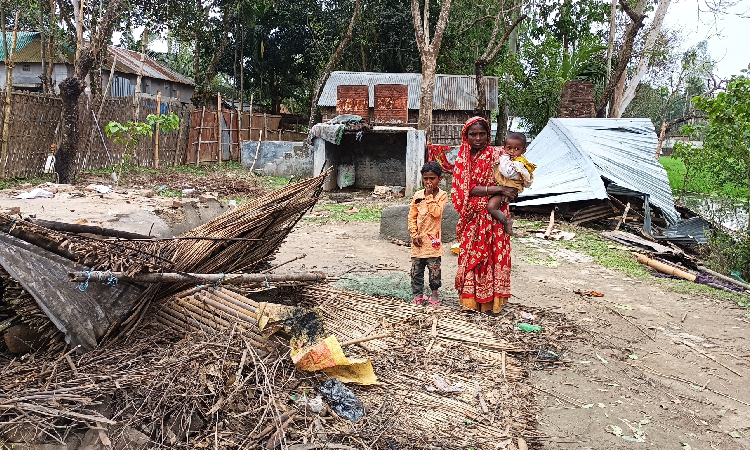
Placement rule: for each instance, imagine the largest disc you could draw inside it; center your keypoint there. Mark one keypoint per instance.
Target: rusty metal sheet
(84, 317)
(391, 103)
(353, 100)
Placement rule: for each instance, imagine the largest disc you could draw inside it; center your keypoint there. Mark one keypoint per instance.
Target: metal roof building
(452, 92)
(575, 156)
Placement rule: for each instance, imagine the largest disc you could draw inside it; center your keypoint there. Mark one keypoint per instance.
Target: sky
(727, 35)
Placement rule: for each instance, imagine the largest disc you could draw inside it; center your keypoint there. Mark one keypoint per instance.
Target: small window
(26, 68)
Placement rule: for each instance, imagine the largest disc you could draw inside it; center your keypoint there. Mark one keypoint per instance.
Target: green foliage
(130, 133)
(730, 253)
(725, 154)
(699, 181)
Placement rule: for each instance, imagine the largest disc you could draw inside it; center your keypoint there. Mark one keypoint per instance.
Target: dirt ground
(616, 378)
(650, 366)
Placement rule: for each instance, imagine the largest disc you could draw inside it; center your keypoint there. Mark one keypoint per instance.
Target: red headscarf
(462, 172)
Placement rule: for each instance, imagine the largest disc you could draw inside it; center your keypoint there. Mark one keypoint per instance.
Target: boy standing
(425, 220)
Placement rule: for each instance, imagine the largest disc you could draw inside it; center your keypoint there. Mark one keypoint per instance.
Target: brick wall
(577, 100)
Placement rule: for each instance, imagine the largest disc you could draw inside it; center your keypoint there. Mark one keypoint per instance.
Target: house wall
(31, 76)
(446, 125)
(277, 158)
(124, 85)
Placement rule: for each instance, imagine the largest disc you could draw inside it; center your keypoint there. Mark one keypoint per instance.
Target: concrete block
(394, 223)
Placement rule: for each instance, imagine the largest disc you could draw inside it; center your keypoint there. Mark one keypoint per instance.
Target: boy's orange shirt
(425, 220)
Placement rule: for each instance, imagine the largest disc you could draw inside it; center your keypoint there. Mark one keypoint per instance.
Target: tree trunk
(614, 110)
(8, 91)
(636, 18)
(643, 63)
(50, 49)
(70, 91)
(214, 64)
(481, 88)
(43, 48)
(426, 95)
(428, 51)
(72, 87)
(335, 56)
(137, 93)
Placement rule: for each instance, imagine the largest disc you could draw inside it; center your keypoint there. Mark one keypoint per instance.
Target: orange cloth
(425, 221)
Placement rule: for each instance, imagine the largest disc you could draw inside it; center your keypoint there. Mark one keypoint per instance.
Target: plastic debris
(188, 191)
(529, 327)
(312, 405)
(528, 316)
(100, 188)
(35, 193)
(341, 400)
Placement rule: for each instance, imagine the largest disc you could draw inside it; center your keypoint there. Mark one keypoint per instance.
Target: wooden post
(177, 152)
(200, 135)
(8, 89)
(158, 131)
(218, 122)
(232, 135)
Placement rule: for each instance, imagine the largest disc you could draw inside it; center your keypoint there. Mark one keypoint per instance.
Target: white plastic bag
(346, 176)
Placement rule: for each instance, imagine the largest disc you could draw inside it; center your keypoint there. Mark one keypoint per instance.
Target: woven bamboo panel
(33, 121)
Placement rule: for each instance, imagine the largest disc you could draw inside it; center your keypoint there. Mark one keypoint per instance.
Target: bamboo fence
(34, 134)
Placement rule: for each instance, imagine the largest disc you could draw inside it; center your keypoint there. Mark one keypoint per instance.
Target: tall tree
(428, 51)
(646, 56)
(636, 17)
(71, 88)
(335, 56)
(495, 44)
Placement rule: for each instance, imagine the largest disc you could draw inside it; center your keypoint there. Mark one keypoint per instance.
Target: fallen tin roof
(452, 92)
(573, 156)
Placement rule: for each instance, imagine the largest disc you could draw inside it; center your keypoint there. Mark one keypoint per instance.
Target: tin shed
(585, 159)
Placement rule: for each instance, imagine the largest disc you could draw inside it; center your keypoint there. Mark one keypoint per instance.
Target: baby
(512, 170)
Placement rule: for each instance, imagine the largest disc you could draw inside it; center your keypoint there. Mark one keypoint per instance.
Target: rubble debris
(240, 240)
(631, 240)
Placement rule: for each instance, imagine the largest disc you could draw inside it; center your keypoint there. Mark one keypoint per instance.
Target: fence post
(200, 135)
(218, 123)
(156, 139)
(6, 132)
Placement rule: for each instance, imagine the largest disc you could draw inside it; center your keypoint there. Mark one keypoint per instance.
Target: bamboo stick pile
(424, 343)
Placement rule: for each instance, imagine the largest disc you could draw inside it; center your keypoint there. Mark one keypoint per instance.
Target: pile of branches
(219, 390)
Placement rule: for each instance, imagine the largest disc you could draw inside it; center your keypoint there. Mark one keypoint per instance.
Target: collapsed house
(589, 169)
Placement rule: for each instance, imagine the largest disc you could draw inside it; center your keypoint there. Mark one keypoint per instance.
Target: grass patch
(12, 183)
(700, 182)
(605, 253)
(337, 213)
(273, 183)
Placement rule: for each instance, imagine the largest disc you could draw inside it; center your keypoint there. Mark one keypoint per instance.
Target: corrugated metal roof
(452, 92)
(129, 61)
(573, 155)
(691, 231)
(23, 39)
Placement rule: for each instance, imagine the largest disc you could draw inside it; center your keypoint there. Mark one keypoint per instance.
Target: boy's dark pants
(417, 274)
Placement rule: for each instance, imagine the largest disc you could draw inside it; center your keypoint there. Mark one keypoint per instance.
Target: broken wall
(278, 158)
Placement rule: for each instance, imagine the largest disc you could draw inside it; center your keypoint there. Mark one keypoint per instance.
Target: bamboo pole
(200, 135)
(229, 278)
(137, 93)
(8, 96)
(218, 123)
(158, 131)
(664, 268)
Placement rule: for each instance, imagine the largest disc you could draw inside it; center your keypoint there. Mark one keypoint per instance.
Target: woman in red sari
(483, 276)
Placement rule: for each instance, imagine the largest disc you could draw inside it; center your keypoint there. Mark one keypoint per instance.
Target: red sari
(483, 276)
